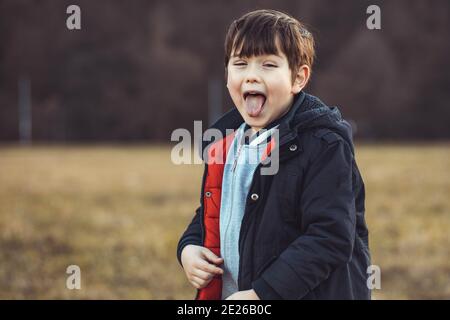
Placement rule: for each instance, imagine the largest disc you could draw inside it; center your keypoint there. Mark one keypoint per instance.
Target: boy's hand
(244, 295)
(200, 265)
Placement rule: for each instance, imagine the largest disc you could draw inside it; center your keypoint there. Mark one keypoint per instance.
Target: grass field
(118, 212)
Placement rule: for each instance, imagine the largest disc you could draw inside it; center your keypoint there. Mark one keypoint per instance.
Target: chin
(257, 124)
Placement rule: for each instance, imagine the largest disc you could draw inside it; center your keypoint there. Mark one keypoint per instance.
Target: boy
(299, 233)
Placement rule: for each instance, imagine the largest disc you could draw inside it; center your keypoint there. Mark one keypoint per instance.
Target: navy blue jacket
(304, 236)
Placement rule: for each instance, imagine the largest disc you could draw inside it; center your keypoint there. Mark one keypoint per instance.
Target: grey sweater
(241, 163)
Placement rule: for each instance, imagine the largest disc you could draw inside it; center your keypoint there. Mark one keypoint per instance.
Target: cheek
(233, 84)
(280, 88)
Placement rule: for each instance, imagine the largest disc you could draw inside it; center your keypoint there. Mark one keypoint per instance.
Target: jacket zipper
(236, 159)
(202, 217)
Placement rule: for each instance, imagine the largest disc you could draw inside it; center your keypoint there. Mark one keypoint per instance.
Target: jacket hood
(309, 112)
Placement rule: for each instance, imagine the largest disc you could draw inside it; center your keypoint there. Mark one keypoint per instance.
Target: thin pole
(24, 111)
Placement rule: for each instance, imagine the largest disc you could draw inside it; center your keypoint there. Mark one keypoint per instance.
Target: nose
(252, 75)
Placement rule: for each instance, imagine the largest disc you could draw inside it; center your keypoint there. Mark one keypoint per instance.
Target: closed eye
(239, 64)
(270, 65)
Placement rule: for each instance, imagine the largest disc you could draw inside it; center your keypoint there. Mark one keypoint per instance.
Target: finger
(202, 274)
(195, 282)
(211, 257)
(201, 283)
(205, 266)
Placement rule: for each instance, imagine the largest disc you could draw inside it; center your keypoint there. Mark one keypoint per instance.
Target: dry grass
(118, 212)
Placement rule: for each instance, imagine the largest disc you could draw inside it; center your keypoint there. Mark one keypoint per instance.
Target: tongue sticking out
(254, 104)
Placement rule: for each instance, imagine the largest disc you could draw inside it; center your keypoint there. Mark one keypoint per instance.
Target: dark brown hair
(258, 32)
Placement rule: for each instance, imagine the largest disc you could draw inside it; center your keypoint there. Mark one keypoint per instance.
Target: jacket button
(208, 194)
(254, 196)
(293, 147)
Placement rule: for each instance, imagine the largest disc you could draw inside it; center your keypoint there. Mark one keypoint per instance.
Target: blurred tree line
(139, 69)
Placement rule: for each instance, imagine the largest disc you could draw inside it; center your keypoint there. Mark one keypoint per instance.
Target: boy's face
(261, 87)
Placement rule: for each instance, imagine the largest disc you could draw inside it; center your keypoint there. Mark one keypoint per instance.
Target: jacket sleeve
(192, 235)
(328, 227)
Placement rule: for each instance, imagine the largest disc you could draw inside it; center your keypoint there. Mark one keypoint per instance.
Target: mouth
(254, 101)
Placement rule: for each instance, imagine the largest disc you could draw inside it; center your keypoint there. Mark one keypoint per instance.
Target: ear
(301, 79)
